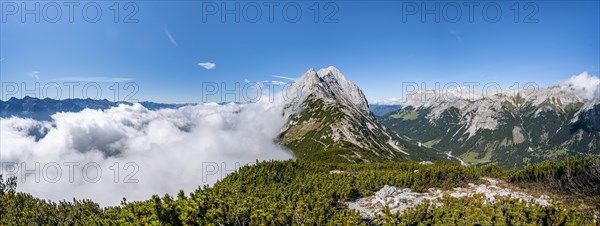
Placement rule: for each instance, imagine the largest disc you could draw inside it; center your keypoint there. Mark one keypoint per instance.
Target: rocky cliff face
(329, 119)
(590, 117)
(511, 129)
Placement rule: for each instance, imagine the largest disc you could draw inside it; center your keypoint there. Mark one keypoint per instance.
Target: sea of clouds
(133, 152)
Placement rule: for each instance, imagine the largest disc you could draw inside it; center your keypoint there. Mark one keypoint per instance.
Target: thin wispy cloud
(207, 65)
(95, 79)
(265, 83)
(2, 59)
(283, 77)
(171, 39)
(456, 35)
(34, 74)
(278, 83)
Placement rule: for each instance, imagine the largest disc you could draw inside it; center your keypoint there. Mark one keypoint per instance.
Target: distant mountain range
(511, 130)
(42, 109)
(382, 109)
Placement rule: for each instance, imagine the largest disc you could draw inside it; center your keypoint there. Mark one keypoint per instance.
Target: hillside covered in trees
(298, 192)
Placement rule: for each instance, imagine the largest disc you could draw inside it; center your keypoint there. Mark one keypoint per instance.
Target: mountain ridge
(330, 118)
(511, 130)
(43, 109)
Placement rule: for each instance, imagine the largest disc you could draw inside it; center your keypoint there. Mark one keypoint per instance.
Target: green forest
(300, 192)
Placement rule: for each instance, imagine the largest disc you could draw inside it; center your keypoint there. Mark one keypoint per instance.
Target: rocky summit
(329, 119)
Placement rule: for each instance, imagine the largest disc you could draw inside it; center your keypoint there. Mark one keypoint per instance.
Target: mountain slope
(329, 119)
(510, 130)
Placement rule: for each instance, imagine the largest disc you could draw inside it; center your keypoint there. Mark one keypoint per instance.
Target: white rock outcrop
(398, 200)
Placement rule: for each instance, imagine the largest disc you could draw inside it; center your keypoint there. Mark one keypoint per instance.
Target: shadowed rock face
(591, 118)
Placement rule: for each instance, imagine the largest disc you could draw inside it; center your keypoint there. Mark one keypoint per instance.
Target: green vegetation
(310, 137)
(430, 143)
(521, 136)
(297, 192)
(475, 159)
(474, 211)
(406, 115)
(575, 175)
(550, 154)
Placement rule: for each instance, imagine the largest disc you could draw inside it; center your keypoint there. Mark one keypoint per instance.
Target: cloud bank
(137, 151)
(583, 85)
(390, 101)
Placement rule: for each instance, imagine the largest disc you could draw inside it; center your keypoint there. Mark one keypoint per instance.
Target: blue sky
(377, 44)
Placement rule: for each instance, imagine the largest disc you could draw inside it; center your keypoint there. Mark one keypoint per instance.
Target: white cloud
(284, 77)
(34, 74)
(390, 101)
(583, 85)
(207, 65)
(278, 83)
(171, 39)
(173, 148)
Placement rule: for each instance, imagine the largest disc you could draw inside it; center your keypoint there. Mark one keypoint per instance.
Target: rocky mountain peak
(331, 86)
(329, 119)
